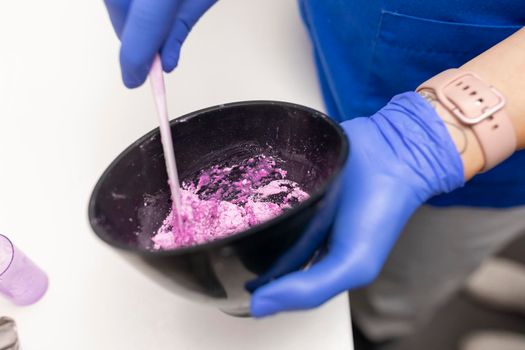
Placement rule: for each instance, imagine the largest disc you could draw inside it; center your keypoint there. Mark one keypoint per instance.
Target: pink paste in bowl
(227, 200)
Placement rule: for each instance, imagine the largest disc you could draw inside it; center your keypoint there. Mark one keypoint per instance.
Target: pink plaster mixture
(227, 200)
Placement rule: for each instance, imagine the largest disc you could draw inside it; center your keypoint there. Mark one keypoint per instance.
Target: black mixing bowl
(131, 199)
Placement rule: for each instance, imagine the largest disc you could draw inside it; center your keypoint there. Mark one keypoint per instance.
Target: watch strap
(480, 106)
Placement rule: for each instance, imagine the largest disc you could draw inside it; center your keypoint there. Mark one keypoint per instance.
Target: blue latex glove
(399, 158)
(146, 27)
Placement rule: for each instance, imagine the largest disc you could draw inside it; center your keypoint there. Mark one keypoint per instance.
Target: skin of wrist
(462, 135)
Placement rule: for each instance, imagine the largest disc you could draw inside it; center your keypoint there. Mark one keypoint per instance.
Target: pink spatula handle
(159, 92)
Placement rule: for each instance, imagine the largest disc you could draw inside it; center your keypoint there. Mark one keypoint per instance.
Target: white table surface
(64, 115)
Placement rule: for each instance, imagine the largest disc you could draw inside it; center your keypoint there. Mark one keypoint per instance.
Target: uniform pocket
(408, 50)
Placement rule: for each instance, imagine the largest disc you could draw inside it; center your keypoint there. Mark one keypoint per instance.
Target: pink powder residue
(227, 200)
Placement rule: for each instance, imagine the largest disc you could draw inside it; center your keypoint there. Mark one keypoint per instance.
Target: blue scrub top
(367, 51)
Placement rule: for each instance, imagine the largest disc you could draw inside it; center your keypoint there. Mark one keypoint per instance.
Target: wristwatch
(479, 106)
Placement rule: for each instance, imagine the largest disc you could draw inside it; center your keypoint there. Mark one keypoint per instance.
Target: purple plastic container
(21, 281)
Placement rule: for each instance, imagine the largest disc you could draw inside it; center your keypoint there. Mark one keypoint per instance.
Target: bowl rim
(314, 197)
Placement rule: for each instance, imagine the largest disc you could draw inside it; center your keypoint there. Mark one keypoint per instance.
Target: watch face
(429, 96)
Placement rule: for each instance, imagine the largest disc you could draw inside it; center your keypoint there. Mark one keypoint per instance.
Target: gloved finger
(188, 14)
(308, 248)
(118, 11)
(326, 278)
(147, 26)
(171, 51)
(310, 288)
(364, 233)
(351, 262)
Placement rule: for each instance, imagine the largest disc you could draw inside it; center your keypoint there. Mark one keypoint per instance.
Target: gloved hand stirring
(147, 27)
